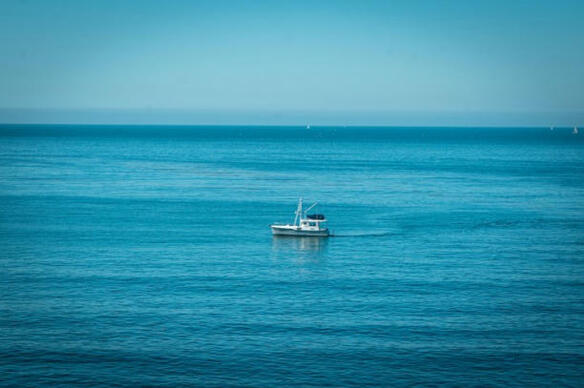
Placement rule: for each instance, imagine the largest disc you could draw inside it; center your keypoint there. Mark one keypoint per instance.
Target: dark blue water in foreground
(142, 256)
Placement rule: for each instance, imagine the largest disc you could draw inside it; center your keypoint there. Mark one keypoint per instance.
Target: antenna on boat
(313, 205)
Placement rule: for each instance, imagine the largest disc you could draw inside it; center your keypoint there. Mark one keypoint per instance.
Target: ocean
(142, 256)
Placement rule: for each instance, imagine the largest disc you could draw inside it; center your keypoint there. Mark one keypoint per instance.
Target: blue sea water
(142, 256)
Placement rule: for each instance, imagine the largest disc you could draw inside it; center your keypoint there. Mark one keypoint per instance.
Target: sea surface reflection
(310, 244)
(301, 249)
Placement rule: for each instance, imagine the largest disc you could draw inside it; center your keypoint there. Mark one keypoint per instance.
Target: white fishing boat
(305, 225)
(575, 131)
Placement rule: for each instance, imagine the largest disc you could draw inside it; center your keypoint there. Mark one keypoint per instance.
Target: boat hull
(284, 231)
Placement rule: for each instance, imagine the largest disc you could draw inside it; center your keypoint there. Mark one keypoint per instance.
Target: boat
(575, 131)
(305, 225)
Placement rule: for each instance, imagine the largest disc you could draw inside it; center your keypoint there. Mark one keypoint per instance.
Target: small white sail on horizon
(575, 131)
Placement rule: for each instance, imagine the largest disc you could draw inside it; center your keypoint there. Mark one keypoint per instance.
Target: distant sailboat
(308, 127)
(551, 128)
(575, 131)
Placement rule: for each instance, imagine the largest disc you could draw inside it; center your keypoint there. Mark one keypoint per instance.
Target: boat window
(312, 223)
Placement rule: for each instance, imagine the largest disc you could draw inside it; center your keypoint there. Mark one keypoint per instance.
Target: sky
(293, 62)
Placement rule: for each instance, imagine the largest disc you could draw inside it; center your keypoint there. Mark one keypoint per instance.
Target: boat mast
(298, 211)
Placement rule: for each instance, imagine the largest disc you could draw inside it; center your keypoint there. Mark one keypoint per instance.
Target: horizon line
(303, 126)
(336, 118)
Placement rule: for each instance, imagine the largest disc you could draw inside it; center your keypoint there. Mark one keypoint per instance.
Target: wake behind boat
(305, 225)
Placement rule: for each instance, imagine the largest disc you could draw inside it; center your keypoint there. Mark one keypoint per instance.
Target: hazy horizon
(283, 118)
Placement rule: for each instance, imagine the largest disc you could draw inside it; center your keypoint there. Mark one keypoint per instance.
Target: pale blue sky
(294, 61)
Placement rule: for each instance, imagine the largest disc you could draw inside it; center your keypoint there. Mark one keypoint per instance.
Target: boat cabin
(312, 222)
